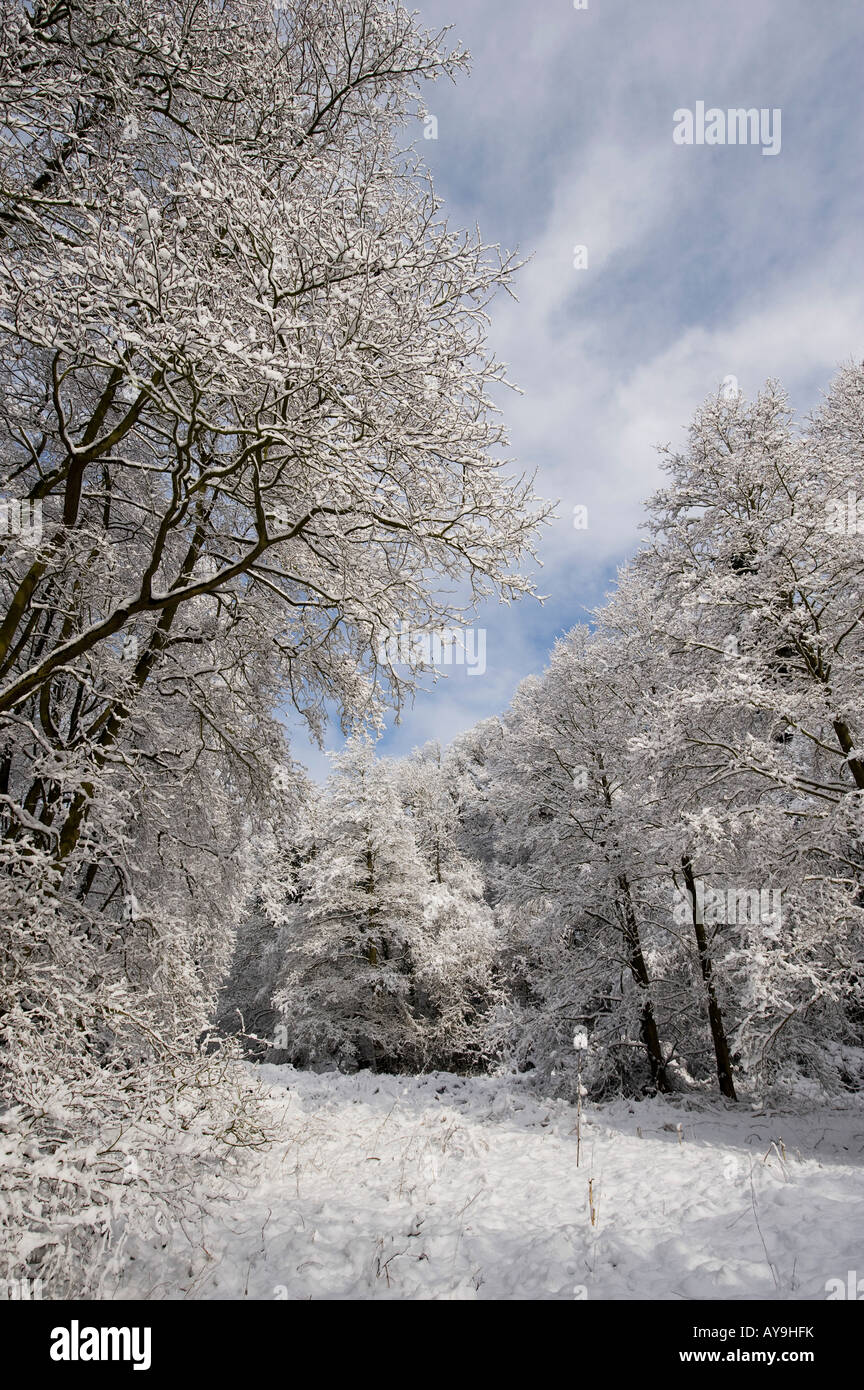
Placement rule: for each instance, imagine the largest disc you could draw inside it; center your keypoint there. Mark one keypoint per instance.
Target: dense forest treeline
(667, 823)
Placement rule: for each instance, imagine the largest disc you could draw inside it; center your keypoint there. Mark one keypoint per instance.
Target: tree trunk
(715, 1017)
(639, 971)
(847, 743)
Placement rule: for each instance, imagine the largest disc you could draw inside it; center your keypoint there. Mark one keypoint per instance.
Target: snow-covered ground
(445, 1187)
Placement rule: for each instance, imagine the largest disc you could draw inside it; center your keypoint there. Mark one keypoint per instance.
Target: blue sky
(703, 261)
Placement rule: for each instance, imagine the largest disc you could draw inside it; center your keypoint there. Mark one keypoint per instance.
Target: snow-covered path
(453, 1188)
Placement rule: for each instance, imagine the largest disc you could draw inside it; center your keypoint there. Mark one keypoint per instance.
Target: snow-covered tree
(345, 992)
(389, 952)
(755, 602)
(678, 800)
(244, 406)
(578, 888)
(457, 973)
